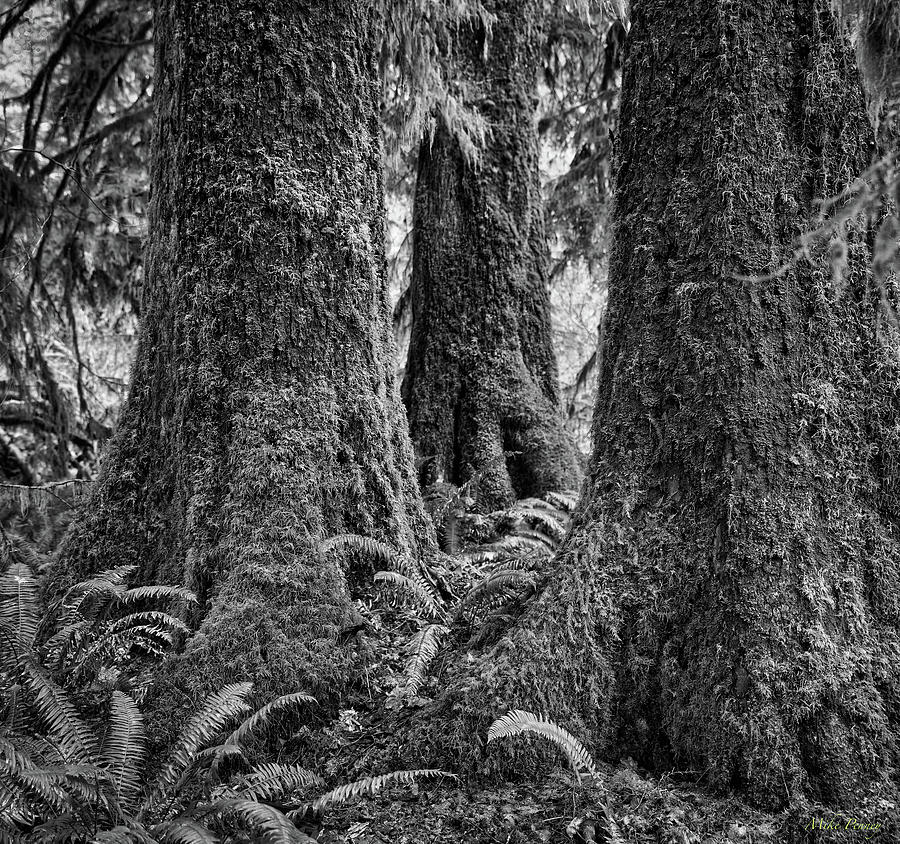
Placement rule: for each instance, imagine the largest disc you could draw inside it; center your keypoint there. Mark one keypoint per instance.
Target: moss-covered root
(512, 440)
(637, 650)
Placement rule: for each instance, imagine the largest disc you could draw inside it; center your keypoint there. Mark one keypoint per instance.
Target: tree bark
(481, 379)
(727, 601)
(263, 414)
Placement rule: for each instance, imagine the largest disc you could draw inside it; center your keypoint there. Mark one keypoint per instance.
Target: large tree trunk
(481, 379)
(263, 414)
(728, 600)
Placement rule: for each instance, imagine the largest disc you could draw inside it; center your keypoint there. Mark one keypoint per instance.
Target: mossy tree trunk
(263, 414)
(729, 598)
(481, 378)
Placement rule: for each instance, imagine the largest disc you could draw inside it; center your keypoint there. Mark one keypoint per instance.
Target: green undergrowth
(338, 776)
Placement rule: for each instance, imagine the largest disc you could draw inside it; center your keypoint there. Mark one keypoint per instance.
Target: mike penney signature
(839, 823)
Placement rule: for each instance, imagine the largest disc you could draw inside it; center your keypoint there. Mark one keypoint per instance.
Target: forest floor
(623, 804)
(554, 808)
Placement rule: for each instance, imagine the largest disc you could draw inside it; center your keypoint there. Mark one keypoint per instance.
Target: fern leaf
(132, 834)
(18, 612)
(184, 831)
(219, 708)
(157, 593)
(124, 748)
(153, 619)
(517, 544)
(261, 716)
(13, 757)
(368, 785)
(90, 597)
(233, 744)
(75, 740)
(497, 584)
(566, 501)
(109, 646)
(47, 785)
(484, 554)
(274, 827)
(423, 648)
(543, 542)
(450, 533)
(415, 590)
(366, 546)
(272, 778)
(519, 721)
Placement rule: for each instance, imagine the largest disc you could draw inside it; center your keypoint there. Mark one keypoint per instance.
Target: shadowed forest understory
(429, 421)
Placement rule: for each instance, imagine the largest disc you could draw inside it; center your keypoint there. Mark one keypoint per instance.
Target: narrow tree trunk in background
(481, 377)
(729, 598)
(263, 414)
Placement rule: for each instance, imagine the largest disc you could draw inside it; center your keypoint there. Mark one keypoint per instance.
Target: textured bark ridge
(729, 598)
(481, 379)
(263, 414)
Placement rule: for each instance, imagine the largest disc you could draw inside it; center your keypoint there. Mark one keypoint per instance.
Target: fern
(424, 648)
(232, 746)
(497, 584)
(366, 546)
(275, 827)
(519, 721)
(415, 589)
(157, 593)
(18, 613)
(261, 716)
(148, 618)
(368, 785)
(272, 778)
(52, 705)
(220, 707)
(184, 831)
(98, 590)
(423, 577)
(19, 775)
(541, 513)
(565, 501)
(124, 750)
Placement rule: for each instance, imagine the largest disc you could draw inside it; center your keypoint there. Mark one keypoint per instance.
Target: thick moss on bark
(481, 378)
(263, 414)
(727, 601)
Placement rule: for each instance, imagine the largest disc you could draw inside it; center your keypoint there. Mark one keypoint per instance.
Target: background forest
(497, 405)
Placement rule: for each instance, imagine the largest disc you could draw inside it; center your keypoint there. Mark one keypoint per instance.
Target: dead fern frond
(519, 721)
